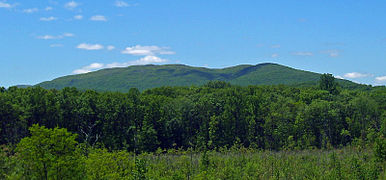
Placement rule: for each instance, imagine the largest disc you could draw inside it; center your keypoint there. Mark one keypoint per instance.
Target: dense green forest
(211, 116)
(206, 129)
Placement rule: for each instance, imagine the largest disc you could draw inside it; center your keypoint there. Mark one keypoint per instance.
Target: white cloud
(354, 75)
(48, 8)
(274, 55)
(381, 79)
(302, 53)
(139, 50)
(121, 4)
(110, 47)
(78, 17)
(71, 5)
(148, 51)
(275, 46)
(48, 18)
(89, 68)
(148, 60)
(81, 71)
(339, 77)
(47, 37)
(90, 46)
(5, 5)
(97, 66)
(141, 61)
(32, 10)
(98, 18)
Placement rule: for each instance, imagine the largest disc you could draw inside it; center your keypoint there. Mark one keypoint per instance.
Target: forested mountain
(151, 76)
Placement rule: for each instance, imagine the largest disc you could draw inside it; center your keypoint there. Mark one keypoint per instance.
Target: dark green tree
(327, 82)
(218, 84)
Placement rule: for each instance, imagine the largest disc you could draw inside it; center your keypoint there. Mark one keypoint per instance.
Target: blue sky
(45, 39)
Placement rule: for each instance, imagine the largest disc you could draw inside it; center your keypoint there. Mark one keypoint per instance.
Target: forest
(217, 130)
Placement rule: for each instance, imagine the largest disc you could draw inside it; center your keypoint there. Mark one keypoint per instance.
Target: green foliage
(327, 82)
(218, 84)
(335, 166)
(215, 131)
(380, 149)
(250, 164)
(211, 116)
(4, 162)
(140, 169)
(205, 161)
(233, 163)
(101, 164)
(49, 154)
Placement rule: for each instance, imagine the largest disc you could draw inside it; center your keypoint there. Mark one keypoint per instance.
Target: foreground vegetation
(215, 131)
(54, 154)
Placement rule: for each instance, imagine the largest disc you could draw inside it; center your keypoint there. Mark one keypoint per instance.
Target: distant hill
(23, 86)
(151, 76)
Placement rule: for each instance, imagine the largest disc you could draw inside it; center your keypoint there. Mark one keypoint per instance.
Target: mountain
(23, 86)
(151, 76)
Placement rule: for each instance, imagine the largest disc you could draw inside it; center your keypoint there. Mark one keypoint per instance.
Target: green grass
(347, 163)
(151, 76)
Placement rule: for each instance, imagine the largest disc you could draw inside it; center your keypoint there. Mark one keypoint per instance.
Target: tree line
(211, 116)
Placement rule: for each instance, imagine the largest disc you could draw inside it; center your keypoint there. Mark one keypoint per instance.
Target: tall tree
(50, 154)
(327, 82)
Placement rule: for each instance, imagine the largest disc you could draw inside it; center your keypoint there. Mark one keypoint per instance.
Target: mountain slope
(150, 76)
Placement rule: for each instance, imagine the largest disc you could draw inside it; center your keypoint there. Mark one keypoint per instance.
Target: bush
(380, 149)
(50, 154)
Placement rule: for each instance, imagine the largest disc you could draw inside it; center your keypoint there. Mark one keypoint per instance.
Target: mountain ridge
(151, 76)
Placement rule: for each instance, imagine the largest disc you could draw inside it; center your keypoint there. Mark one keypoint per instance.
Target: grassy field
(347, 163)
(352, 162)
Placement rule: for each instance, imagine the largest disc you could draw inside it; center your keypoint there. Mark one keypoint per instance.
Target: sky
(46, 39)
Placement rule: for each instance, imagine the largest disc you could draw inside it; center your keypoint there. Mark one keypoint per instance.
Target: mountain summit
(151, 76)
